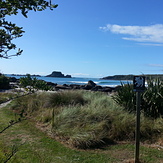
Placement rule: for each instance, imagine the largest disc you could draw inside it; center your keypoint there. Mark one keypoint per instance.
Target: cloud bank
(152, 33)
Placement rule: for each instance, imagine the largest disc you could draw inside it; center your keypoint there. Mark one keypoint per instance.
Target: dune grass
(26, 144)
(6, 96)
(84, 119)
(32, 145)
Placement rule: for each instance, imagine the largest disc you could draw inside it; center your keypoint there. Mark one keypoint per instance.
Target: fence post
(139, 86)
(137, 136)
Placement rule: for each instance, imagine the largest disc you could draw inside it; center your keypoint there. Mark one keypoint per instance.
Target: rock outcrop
(89, 86)
(58, 74)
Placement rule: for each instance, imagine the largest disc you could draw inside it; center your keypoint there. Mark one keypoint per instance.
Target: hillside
(130, 77)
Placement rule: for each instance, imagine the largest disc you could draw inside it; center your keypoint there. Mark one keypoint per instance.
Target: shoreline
(89, 85)
(78, 81)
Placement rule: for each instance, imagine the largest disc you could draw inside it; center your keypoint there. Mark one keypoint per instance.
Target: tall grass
(5, 97)
(86, 119)
(66, 98)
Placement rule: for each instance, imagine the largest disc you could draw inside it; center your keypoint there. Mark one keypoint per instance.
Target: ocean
(79, 81)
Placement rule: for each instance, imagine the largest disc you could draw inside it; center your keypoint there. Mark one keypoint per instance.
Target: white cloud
(151, 44)
(79, 74)
(152, 33)
(156, 65)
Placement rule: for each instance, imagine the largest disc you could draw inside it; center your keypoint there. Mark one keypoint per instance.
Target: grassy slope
(35, 146)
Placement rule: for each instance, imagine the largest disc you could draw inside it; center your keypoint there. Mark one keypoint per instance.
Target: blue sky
(93, 38)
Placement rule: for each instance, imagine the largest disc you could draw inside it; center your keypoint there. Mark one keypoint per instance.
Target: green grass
(5, 96)
(35, 146)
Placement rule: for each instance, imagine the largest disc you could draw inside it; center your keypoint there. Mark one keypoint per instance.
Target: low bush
(33, 84)
(4, 82)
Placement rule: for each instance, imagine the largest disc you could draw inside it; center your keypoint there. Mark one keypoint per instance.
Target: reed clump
(85, 119)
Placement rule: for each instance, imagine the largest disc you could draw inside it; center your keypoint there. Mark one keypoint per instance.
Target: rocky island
(58, 74)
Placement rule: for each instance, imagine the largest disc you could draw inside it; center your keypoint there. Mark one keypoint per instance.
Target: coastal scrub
(85, 119)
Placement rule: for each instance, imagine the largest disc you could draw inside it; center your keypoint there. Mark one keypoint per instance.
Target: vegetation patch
(151, 99)
(4, 82)
(85, 119)
(91, 125)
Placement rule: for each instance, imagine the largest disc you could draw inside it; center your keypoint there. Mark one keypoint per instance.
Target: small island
(58, 74)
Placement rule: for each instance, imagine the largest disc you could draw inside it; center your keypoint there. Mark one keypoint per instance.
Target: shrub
(151, 99)
(152, 103)
(126, 97)
(4, 82)
(33, 84)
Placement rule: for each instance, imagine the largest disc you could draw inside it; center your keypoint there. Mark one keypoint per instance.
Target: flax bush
(152, 103)
(126, 97)
(151, 99)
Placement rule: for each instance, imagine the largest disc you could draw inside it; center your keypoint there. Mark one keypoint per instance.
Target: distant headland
(58, 74)
(130, 77)
(25, 75)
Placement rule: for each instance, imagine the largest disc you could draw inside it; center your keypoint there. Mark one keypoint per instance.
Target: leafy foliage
(152, 103)
(4, 82)
(126, 97)
(33, 84)
(151, 100)
(9, 30)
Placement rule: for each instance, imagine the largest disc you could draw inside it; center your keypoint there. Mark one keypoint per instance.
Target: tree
(8, 30)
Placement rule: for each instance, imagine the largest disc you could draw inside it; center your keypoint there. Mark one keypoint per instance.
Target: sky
(93, 38)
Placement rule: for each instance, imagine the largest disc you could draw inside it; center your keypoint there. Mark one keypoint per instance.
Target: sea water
(79, 81)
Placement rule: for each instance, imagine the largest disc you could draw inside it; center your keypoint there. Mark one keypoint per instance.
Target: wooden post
(137, 137)
(139, 86)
